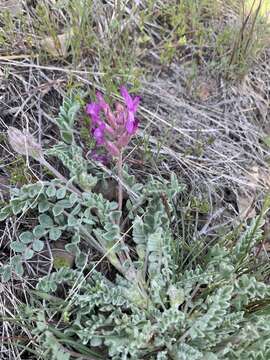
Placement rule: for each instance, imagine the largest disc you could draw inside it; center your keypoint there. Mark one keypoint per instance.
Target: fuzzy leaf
(26, 237)
(17, 206)
(5, 212)
(73, 248)
(38, 245)
(55, 233)
(6, 273)
(57, 210)
(17, 264)
(51, 191)
(43, 206)
(17, 246)
(72, 221)
(28, 254)
(39, 231)
(61, 193)
(45, 220)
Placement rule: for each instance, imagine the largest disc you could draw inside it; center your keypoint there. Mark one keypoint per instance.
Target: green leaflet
(66, 117)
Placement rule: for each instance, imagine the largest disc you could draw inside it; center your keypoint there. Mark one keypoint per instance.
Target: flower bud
(112, 149)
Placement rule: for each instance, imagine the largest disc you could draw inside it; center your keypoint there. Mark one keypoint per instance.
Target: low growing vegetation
(134, 180)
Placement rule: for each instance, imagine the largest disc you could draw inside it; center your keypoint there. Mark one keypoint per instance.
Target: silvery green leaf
(112, 235)
(38, 245)
(73, 198)
(65, 203)
(45, 220)
(17, 246)
(76, 238)
(60, 220)
(33, 203)
(66, 136)
(66, 117)
(76, 210)
(39, 231)
(55, 233)
(57, 210)
(141, 251)
(176, 295)
(81, 259)
(43, 206)
(154, 242)
(88, 221)
(6, 273)
(26, 237)
(61, 193)
(16, 263)
(28, 254)
(115, 216)
(139, 236)
(35, 189)
(17, 206)
(72, 221)
(46, 285)
(73, 248)
(96, 341)
(5, 212)
(51, 191)
(129, 205)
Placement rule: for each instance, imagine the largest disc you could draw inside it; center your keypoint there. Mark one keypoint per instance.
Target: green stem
(120, 181)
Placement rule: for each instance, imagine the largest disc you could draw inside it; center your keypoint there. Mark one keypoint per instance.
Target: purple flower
(102, 103)
(132, 105)
(98, 134)
(113, 130)
(93, 110)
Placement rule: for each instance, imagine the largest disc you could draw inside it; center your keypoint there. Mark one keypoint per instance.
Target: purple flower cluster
(113, 130)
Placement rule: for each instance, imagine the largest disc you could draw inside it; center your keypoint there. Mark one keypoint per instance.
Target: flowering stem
(120, 181)
(123, 256)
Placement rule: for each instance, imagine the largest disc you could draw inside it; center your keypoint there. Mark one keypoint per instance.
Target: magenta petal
(102, 102)
(135, 126)
(130, 126)
(93, 109)
(126, 96)
(130, 122)
(131, 116)
(100, 96)
(132, 104)
(136, 102)
(98, 134)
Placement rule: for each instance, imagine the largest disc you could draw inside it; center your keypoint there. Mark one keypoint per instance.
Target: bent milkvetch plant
(113, 130)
